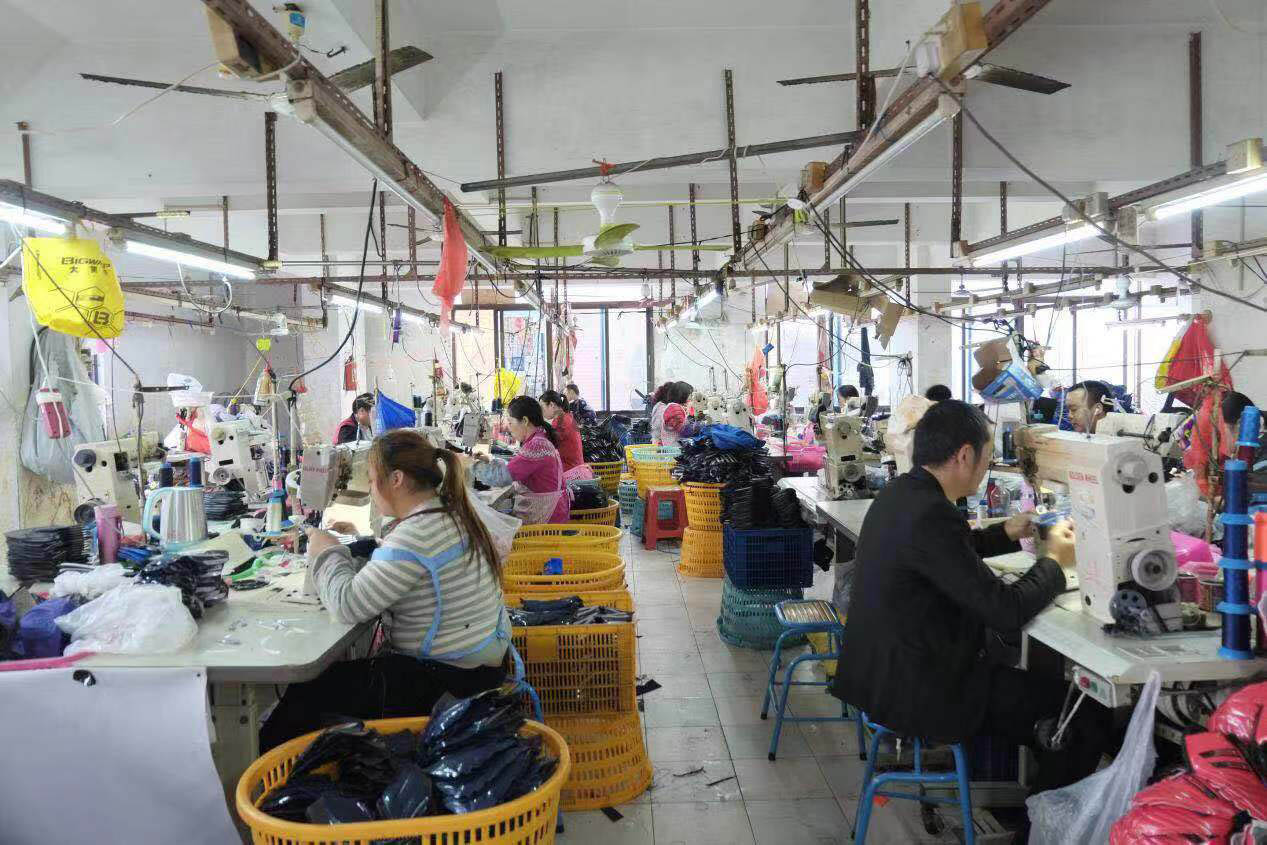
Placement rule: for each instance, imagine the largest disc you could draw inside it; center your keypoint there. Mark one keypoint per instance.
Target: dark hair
(527, 408)
(847, 391)
(937, 393)
(408, 451)
(362, 403)
(1097, 392)
(1233, 405)
(682, 391)
(945, 429)
(662, 393)
(555, 398)
(572, 387)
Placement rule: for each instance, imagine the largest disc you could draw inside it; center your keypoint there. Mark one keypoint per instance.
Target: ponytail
(409, 452)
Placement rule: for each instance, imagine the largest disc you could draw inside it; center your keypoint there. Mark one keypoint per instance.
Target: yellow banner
(72, 287)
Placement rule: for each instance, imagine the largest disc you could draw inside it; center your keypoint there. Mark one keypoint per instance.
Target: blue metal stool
(872, 784)
(798, 618)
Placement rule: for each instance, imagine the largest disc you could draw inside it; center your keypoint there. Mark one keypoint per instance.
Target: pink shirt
(537, 466)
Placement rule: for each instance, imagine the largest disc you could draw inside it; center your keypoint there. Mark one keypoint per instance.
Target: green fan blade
(565, 251)
(609, 261)
(700, 247)
(614, 234)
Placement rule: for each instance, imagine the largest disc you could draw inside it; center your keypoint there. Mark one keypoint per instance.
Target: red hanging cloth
(451, 276)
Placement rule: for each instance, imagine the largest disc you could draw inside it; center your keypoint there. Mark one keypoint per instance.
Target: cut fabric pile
(601, 442)
(224, 504)
(568, 611)
(36, 553)
(588, 494)
(720, 454)
(470, 757)
(757, 503)
(1223, 789)
(198, 576)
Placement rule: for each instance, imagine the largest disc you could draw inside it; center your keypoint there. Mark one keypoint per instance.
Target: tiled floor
(707, 716)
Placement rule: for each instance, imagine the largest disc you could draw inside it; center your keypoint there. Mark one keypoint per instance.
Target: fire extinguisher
(349, 374)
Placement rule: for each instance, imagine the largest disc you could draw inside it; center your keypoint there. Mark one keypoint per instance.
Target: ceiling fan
(983, 72)
(612, 242)
(349, 80)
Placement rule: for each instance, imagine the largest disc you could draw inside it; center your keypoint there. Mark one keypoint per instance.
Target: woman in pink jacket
(536, 470)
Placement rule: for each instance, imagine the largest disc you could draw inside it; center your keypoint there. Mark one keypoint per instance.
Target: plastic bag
(501, 526)
(56, 270)
(899, 440)
(389, 414)
(57, 364)
(39, 634)
(1240, 714)
(1085, 811)
(131, 619)
(89, 584)
(1184, 507)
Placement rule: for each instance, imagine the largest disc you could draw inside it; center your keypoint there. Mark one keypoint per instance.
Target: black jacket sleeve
(993, 541)
(947, 557)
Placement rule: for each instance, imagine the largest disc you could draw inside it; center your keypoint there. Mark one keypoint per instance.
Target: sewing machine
(239, 450)
(106, 473)
(1126, 561)
(1159, 432)
(336, 475)
(844, 473)
(716, 409)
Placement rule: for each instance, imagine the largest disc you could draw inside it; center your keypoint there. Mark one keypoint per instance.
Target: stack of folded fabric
(567, 611)
(198, 575)
(36, 554)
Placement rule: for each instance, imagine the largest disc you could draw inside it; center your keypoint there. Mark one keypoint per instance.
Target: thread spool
(1235, 607)
(195, 472)
(273, 515)
(166, 475)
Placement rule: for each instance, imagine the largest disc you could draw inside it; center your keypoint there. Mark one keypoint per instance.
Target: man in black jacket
(924, 602)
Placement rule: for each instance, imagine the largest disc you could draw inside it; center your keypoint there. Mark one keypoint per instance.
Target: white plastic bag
(130, 619)
(89, 584)
(899, 440)
(1184, 507)
(501, 526)
(1085, 811)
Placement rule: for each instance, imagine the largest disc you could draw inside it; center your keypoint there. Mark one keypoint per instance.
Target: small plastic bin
(523, 573)
(701, 554)
(769, 558)
(608, 474)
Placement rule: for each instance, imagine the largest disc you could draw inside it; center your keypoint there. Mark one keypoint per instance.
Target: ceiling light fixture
(1244, 186)
(1066, 236)
(189, 259)
(351, 302)
(32, 220)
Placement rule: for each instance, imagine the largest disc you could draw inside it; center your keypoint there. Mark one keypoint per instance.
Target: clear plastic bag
(1085, 811)
(89, 584)
(1184, 506)
(131, 619)
(501, 527)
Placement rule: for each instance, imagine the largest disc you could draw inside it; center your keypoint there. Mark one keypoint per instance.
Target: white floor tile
(584, 828)
(677, 685)
(678, 783)
(675, 745)
(783, 780)
(737, 684)
(844, 775)
(819, 702)
(681, 661)
(753, 741)
(680, 713)
(653, 638)
(745, 710)
(830, 739)
(702, 824)
(662, 612)
(812, 821)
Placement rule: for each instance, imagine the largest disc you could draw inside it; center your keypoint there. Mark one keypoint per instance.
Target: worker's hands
(319, 541)
(343, 528)
(1020, 526)
(480, 457)
(1060, 544)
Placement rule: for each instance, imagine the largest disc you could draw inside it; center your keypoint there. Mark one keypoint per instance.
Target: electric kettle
(183, 519)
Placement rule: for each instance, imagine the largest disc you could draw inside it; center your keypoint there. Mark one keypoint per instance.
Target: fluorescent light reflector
(190, 259)
(31, 219)
(350, 302)
(1068, 236)
(1213, 196)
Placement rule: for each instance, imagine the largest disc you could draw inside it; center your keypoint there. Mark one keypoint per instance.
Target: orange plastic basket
(596, 516)
(566, 538)
(609, 759)
(703, 505)
(608, 474)
(583, 571)
(702, 554)
(528, 820)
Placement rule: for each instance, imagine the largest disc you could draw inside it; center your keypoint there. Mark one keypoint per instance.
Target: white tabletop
(1184, 656)
(810, 493)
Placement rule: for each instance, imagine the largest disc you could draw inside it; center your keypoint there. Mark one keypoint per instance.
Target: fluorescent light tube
(190, 259)
(919, 131)
(414, 318)
(707, 298)
(350, 302)
(1211, 196)
(1067, 236)
(31, 219)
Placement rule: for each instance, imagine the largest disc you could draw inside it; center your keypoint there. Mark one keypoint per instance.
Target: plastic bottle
(983, 512)
(994, 499)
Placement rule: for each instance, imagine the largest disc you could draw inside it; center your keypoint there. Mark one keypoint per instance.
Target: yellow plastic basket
(583, 571)
(566, 538)
(528, 820)
(629, 453)
(596, 516)
(702, 554)
(608, 474)
(703, 505)
(609, 759)
(651, 466)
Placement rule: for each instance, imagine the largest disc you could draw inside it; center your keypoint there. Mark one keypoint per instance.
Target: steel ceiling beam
(732, 162)
(1195, 132)
(865, 100)
(270, 180)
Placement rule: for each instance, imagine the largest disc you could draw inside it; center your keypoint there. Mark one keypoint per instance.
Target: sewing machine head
(1158, 432)
(106, 472)
(844, 474)
(1117, 502)
(239, 450)
(335, 474)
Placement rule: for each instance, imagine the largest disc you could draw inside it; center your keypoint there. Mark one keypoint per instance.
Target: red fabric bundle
(1221, 767)
(1158, 824)
(451, 276)
(1241, 715)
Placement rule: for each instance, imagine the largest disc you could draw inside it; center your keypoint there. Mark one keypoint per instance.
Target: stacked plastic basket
(631, 511)
(702, 540)
(763, 567)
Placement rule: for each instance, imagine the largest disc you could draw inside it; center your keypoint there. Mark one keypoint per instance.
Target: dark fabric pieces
(921, 603)
(385, 687)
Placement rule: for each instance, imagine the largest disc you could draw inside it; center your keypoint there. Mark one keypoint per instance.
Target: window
(587, 358)
(626, 358)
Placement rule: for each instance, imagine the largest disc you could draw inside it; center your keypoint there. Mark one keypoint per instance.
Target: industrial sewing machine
(107, 474)
(336, 475)
(716, 409)
(1159, 432)
(466, 416)
(240, 451)
(1126, 561)
(844, 473)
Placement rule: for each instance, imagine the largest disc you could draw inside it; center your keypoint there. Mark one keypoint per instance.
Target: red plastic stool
(654, 528)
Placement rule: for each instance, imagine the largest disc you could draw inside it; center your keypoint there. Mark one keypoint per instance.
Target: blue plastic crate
(769, 558)
(747, 617)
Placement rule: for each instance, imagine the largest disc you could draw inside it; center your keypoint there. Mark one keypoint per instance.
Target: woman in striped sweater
(434, 581)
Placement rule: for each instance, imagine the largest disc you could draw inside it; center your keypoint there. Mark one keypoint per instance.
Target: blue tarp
(727, 437)
(389, 414)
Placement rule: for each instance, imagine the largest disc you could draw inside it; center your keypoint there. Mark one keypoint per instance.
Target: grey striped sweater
(399, 583)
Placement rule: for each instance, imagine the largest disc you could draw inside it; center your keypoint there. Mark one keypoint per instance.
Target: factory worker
(843, 394)
(536, 470)
(923, 604)
(435, 581)
(1087, 403)
(578, 407)
(554, 407)
(356, 427)
(669, 393)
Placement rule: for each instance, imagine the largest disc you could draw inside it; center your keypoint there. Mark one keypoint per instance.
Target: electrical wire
(131, 111)
(1082, 215)
(360, 283)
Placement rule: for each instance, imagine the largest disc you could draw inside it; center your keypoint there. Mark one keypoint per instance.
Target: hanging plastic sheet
(72, 287)
(451, 276)
(389, 414)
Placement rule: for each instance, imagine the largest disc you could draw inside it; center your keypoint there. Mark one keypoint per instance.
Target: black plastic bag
(291, 800)
(334, 808)
(409, 796)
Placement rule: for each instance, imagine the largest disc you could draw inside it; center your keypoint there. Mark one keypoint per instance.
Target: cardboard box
(813, 175)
